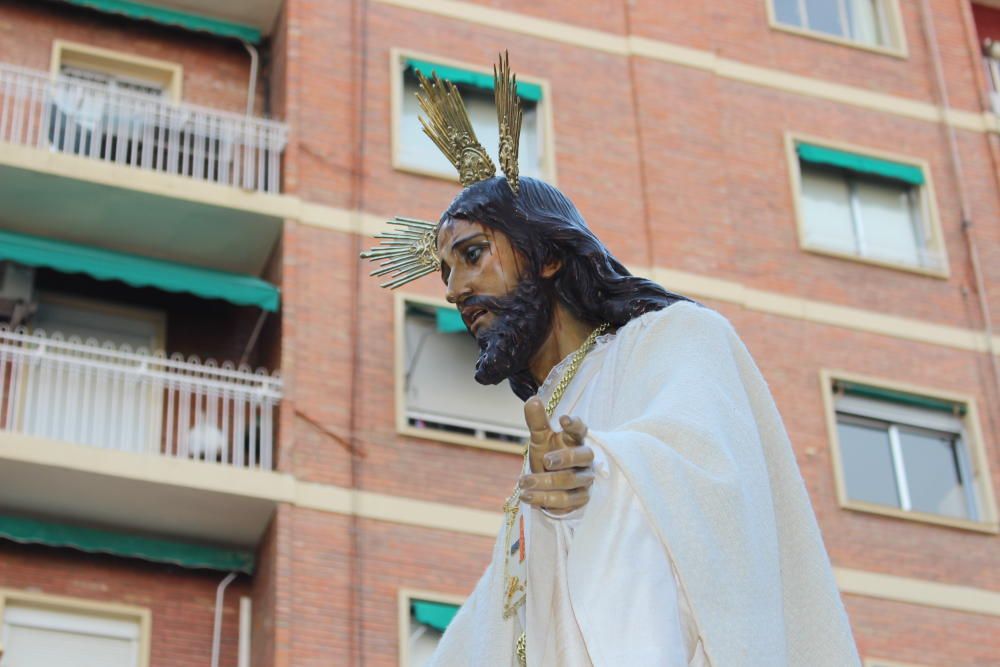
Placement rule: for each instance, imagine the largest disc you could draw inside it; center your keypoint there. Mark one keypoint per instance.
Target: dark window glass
(867, 461)
(932, 472)
(824, 16)
(787, 12)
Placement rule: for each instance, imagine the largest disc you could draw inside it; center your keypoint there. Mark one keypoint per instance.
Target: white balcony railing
(114, 398)
(141, 131)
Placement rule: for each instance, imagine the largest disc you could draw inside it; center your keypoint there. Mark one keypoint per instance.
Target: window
(423, 618)
(40, 630)
(440, 397)
(908, 454)
(878, 210)
(870, 23)
(115, 70)
(414, 151)
(74, 389)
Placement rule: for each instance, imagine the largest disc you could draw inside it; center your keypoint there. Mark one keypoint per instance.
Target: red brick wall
(714, 176)
(720, 202)
(182, 601)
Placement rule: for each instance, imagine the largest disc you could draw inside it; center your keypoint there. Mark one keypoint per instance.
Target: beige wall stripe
(698, 59)
(918, 591)
(291, 207)
(283, 488)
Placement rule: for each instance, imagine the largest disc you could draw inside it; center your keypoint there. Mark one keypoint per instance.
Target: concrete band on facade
(631, 45)
(284, 488)
(291, 207)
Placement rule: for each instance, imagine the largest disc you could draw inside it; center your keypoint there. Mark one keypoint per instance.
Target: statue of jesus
(660, 517)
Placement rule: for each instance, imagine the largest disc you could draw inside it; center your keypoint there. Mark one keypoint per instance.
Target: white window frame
(111, 613)
(405, 597)
(397, 68)
(972, 455)
(889, 14)
(118, 65)
(923, 202)
(403, 415)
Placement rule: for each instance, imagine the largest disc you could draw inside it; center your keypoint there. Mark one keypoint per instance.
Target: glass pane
(863, 19)
(787, 12)
(824, 16)
(887, 222)
(932, 473)
(867, 462)
(826, 210)
(418, 151)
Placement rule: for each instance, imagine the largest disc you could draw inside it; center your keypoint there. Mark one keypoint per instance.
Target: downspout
(246, 617)
(220, 593)
(966, 212)
(252, 84)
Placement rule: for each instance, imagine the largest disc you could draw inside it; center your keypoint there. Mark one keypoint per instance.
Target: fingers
(537, 420)
(574, 431)
(557, 500)
(562, 480)
(579, 456)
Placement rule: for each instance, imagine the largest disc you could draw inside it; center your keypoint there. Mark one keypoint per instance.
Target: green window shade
(138, 271)
(907, 173)
(435, 614)
(530, 92)
(92, 540)
(893, 396)
(173, 17)
(449, 320)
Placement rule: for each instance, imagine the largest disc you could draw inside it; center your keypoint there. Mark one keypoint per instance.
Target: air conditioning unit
(17, 293)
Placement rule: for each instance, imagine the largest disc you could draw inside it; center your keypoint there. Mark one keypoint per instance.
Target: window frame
(890, 11)
(397, 66)
(925, 204)
(405, 596)
(119, 64)
(971, 437)
(403, 427)
(142, 616)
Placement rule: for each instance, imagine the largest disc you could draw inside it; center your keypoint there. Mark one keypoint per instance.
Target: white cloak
(677, 407)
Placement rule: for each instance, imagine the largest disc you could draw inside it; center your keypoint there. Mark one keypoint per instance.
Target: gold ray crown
(410, 251)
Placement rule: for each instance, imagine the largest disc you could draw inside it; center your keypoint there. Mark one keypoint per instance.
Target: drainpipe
(220, 593)
(252, 85)
(243, 653)
(956, 165)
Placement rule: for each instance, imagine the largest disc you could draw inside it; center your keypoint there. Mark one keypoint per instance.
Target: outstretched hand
(561, 465)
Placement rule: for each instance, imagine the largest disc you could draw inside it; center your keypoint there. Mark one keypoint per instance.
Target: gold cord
(512, 506)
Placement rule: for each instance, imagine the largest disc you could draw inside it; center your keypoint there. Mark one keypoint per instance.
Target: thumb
(541, 433)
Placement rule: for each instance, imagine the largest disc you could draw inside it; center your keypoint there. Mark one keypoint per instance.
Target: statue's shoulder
(679, 318)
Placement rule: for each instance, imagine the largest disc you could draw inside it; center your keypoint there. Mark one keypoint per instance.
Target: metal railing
(137, 130)
(114, 398)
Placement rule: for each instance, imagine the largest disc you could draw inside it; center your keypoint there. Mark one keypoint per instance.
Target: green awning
(138, 271)
(531, 92)
(435, 614)
(173, 17)
(903, 398)
(449, 320)
(93, 540)
(897, 171)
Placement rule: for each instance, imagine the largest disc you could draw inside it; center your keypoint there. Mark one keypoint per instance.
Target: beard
(521, 321)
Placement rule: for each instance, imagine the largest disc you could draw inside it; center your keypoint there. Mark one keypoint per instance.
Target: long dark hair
(543, 225)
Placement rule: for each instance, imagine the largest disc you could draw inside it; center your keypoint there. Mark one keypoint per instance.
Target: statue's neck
(564, 337)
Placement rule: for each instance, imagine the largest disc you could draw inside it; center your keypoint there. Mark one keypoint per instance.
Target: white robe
(698, 543)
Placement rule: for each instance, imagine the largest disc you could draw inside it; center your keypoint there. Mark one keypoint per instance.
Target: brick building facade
(830, 182)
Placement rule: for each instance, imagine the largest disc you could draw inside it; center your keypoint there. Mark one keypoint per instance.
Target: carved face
(506, 309)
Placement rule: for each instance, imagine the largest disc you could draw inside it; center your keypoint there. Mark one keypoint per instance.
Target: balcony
(145, 132)
(136, 402)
